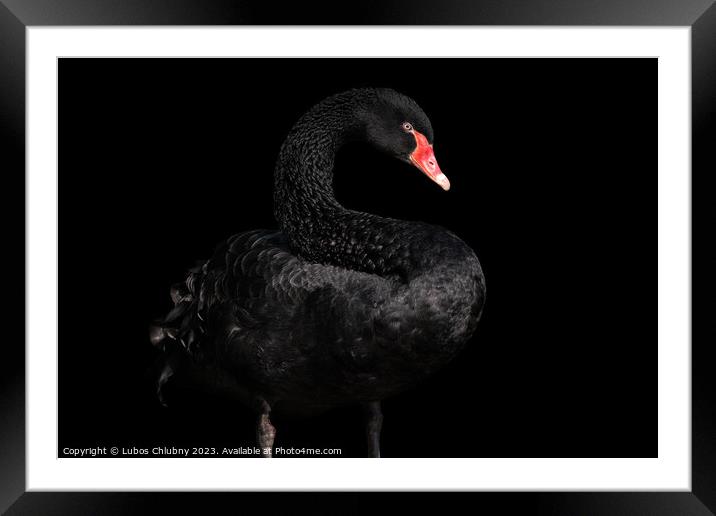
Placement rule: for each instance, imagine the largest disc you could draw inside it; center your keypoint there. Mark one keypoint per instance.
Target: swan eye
(407, 127)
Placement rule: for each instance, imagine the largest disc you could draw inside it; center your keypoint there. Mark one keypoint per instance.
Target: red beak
(423, 157)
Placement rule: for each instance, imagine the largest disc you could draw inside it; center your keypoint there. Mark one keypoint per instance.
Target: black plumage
(337, 306)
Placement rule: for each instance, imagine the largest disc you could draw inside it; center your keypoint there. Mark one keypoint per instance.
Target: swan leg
(265, 431)
(374, 423)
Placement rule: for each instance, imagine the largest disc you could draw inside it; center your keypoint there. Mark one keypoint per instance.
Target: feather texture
(336, 307)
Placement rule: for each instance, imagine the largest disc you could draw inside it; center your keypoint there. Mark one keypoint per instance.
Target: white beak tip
(443, 181)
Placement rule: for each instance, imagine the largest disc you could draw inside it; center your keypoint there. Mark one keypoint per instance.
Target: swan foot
(265, 431)
(374, 423)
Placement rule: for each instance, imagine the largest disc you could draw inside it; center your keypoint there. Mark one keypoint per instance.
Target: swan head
(395, 124)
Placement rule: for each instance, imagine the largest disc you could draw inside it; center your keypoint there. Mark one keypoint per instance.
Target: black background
(553, 172)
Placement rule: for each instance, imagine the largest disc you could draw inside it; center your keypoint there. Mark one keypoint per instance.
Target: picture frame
(15, 17)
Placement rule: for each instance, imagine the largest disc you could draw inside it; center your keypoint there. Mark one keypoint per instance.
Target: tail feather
(183, 324)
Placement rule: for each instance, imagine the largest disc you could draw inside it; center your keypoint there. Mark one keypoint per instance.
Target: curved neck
(319, 229)
(317, 226)
(304, 169)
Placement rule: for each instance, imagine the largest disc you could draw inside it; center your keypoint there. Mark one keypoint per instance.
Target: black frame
(700, 15)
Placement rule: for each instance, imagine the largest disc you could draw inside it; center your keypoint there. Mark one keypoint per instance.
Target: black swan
(338, 306)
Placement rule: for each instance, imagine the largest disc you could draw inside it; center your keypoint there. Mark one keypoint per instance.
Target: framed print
(428, 244)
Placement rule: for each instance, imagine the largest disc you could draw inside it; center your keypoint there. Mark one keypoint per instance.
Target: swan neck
(304, 199)
(317, 226)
